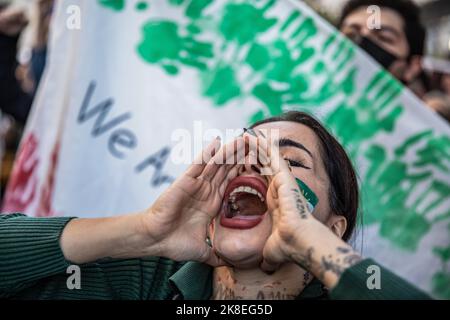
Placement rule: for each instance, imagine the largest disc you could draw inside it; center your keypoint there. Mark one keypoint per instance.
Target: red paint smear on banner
(22, 186)
(45, 202)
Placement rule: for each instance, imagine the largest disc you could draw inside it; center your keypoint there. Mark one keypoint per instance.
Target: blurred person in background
(440, 103)
(13, 99)
(439, 98)
(397, 43)
(39, 50)
(14, 102)
(19, 82)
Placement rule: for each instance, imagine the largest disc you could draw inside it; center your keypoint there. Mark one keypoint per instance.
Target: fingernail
(244, 130)
(251, 131)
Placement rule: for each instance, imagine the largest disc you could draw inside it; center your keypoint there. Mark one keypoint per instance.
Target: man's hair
(409, 11)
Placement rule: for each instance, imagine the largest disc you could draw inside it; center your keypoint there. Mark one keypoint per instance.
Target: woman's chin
(241, 248)
(248, 261)
(239, 255)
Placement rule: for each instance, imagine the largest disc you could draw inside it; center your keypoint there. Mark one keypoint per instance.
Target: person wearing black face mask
(397, 44)
(13, 100)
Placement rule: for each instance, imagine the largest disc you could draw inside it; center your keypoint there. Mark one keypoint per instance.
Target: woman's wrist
(319, 251)
(136, 241)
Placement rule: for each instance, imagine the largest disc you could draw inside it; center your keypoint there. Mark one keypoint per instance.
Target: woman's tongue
(247, 205)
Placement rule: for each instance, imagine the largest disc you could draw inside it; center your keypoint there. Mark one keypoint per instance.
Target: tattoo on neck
(275, 295)
(224, 293)
(274, 291)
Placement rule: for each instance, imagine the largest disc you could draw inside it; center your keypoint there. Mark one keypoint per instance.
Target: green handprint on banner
(282, 62)
(116, 5)
(441, 279)
(242, 21)
(333, 70)
(164, 45)
(176, 2)
(388, 185)
(276, 64)
(434, 154)
(279, 59)
(441, 284)
(437, 152)
(377, 109)
(381, 192)
(194, 8)
(220, 84)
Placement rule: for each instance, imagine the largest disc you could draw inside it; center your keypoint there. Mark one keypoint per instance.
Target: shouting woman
(273, 227)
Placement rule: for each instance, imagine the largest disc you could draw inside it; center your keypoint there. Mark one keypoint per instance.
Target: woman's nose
(251, 165)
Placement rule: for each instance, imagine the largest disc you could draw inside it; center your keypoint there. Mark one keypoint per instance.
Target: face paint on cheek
(309, 195)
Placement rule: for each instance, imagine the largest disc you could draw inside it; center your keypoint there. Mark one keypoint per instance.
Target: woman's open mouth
(244, 203)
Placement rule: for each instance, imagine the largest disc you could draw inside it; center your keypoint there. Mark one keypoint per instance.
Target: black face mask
(385, 58)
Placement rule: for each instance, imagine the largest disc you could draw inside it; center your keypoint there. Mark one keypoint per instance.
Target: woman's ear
(337, 224)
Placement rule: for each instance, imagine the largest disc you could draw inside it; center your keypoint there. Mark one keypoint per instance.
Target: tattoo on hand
(328, 264)
(304, 260)
(300, 204)
(338, 263)
(351, 257)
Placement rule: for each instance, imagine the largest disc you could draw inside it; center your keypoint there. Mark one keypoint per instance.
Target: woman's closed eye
(294, 163)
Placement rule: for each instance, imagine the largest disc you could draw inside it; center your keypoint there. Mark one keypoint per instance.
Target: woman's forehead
(294, 131)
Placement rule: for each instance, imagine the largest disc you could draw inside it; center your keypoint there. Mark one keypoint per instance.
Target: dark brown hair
(343, 192)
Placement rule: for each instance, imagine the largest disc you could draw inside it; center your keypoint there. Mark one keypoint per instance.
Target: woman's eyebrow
(285, 142)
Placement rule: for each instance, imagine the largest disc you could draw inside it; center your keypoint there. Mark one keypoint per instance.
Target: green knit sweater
(32, 266)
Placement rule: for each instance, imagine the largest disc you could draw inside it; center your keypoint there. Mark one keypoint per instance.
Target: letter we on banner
(132, 72)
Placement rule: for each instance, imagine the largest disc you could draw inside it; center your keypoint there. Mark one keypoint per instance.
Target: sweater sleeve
(33, 266)
(353, 285)
(29, 250)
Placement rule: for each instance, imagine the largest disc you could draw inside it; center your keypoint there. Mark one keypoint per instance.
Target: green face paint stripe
(309, 195)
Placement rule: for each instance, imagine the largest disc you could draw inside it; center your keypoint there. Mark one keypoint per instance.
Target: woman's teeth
(247, 190)
(236, 196)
